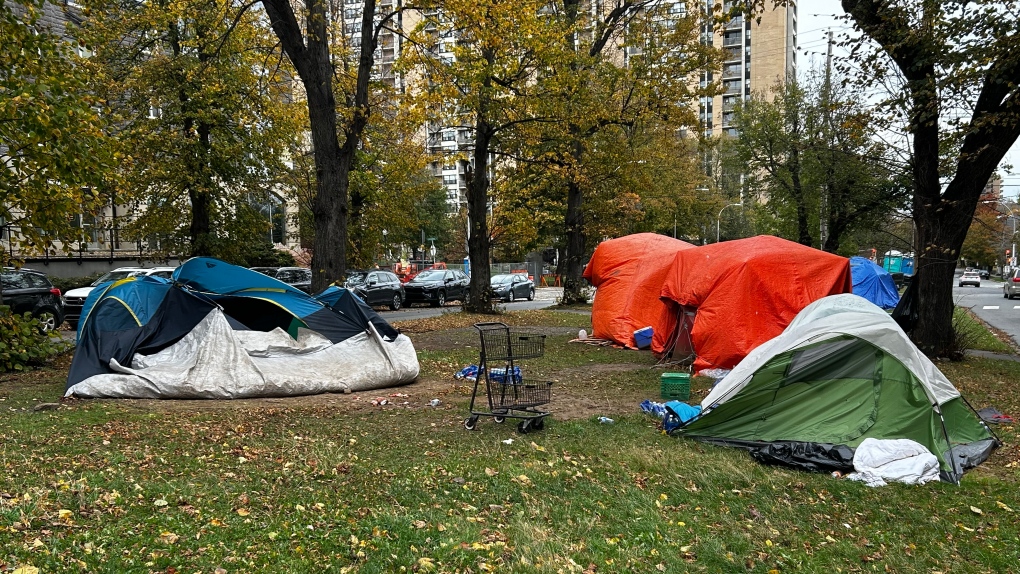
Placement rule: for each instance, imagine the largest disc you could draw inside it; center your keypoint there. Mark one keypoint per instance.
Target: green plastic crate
(676, 386)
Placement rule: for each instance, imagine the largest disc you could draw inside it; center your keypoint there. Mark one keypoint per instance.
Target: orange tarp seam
(628, 273)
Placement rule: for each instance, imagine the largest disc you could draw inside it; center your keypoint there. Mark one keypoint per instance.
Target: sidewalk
(991, 355)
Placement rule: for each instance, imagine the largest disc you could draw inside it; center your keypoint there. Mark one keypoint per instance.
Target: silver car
(1011, 287)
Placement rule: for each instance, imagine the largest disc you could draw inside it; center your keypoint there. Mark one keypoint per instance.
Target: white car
(970, 278)
(74, 299)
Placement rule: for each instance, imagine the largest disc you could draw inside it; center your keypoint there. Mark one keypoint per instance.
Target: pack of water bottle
(500, 376)
(469, 372)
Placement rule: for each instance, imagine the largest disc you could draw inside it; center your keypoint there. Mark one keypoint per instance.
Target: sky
(814, 20)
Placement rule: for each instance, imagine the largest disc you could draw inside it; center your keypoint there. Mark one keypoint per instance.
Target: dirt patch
(580, 392)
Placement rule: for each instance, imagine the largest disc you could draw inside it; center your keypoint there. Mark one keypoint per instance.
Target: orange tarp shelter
(738, 294)
(628, 273)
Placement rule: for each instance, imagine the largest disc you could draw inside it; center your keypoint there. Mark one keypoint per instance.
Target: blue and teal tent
(873, 283)
(211, 308)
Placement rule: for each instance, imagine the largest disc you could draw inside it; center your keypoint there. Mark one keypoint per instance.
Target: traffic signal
(1008, 253)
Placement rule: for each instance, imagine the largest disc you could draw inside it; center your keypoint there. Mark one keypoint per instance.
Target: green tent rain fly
(841, 372)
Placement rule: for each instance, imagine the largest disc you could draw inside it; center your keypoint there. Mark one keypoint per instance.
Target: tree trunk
(329, 206)
(573, 264)
(201, 200)
(478, 205)
(310, 55)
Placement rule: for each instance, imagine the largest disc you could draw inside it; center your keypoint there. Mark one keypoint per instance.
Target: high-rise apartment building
(759, 55)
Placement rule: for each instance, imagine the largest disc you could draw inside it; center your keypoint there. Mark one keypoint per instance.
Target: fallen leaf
(419, 524)
(1001, 505)
(976, 510)
(493, 472)
(537, 447)
(26, 569)
(64, 514)
(243, 512)
(160, 502)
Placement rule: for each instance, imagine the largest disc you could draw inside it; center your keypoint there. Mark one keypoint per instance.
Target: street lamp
(718, 220)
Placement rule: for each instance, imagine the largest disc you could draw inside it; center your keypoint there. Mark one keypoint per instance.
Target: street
(544, 297)
(988, 304)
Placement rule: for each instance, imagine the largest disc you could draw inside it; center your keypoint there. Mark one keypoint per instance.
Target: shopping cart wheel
(499, 420)
(524, 426)
(538, 424)
(470, 423)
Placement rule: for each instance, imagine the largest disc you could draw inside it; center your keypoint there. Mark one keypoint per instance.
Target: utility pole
(823, 223)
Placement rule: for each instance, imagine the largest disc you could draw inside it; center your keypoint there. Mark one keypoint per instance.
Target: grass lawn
(330, 484)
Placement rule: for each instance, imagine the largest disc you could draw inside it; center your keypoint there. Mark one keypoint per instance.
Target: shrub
(65, 284)
(24, 345)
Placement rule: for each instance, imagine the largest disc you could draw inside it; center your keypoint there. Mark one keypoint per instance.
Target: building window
(450, 179)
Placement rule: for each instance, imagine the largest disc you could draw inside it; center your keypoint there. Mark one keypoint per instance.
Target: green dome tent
(841, 372)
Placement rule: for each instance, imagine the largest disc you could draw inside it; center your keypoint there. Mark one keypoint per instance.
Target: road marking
(992, 307)
(1016, 306)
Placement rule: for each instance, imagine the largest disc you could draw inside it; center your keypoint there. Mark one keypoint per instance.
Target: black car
(27, 291)
(270, 271)
(512, 287)
(298, 277)
(436, 287)
(985, 274)
(377, 288)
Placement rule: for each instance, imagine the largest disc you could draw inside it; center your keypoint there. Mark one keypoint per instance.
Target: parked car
(28, 291)
(1011, 286)
(271, 271)
(436, 287)
(985, 274)
(377, 288)
(74, 299)
(970, 278)
(298, 277)
(512, 287)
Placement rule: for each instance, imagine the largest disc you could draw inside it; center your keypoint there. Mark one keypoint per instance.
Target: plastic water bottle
(582, 334)
(606, 420)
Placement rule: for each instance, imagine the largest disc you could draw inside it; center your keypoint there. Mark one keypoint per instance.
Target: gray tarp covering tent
(219, 331)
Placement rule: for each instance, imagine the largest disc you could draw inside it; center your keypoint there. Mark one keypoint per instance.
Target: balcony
(736, 23)
(732, 41)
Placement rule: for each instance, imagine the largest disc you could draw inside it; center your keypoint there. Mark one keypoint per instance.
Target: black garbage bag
(810, 456)
(905, 313)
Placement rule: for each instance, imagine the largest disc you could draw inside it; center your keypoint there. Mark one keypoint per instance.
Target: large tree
(628, 63)
(199, 103)
(811, 152)
(317, 45)
(958, 63)
(487, 88)
(53, 152)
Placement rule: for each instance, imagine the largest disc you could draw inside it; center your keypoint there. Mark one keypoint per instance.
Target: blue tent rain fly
(221, 331)
(873, 283)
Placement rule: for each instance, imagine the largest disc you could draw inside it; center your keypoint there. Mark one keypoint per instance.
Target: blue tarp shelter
(873, 283)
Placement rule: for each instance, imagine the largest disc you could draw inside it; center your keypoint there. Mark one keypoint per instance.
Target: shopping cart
(510, 394)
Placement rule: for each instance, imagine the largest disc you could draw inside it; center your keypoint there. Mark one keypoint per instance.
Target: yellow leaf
(64, 514)
(976, 510)
(768, 543)
(491, 472)
(243, 512)
(537, 447)
(1001, 505)
(26, 569)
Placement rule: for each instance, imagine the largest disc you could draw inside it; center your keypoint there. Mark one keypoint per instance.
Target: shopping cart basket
(509, 393)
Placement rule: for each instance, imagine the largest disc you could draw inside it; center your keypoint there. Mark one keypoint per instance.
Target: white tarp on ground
(878, 462)
(216, 362)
